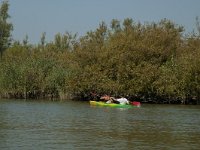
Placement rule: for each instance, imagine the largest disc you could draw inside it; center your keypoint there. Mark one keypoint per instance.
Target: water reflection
(77, 125)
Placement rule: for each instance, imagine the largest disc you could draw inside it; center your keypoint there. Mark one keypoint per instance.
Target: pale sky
(33, 17)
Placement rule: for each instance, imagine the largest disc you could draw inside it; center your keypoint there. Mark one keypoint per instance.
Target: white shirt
(122, 101)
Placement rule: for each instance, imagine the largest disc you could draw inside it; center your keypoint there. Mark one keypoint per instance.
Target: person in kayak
(108, 99)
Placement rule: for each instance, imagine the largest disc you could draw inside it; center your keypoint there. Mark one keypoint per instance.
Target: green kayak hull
(95, 103)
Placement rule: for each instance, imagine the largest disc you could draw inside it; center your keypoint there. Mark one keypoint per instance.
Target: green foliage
(152, 62)
(5, 27)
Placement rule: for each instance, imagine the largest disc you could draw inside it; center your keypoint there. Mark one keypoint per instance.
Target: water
(77, 125)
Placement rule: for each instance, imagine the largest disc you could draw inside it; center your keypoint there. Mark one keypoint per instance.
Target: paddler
(108, 99)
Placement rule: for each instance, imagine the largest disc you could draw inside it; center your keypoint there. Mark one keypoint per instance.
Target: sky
(33, 17)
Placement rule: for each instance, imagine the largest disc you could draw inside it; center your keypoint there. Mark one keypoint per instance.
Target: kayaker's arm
(114, 100)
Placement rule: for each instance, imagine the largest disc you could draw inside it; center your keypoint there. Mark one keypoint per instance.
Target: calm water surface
(77, 125)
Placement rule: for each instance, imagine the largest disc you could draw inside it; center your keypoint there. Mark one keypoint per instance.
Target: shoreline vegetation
(152, 62)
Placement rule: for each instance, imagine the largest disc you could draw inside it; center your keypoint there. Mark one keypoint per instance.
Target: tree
(115, 25)
(198, 25)
(43, 38)
(5, 27)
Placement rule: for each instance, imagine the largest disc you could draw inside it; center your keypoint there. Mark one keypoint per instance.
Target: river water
(75, 125)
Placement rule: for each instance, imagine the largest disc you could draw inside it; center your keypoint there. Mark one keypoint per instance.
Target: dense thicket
(152, 62)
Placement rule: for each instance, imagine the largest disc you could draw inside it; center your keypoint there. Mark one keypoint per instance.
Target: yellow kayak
(95, 103)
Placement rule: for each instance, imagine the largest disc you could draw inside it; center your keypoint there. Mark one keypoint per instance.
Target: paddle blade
(138, 104)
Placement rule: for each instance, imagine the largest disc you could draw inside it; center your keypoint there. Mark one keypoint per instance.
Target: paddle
(135, 103)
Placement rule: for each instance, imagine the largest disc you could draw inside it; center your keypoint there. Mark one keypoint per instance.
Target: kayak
(95, 103)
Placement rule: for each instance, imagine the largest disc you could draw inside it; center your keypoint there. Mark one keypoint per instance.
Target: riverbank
(88, 98)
